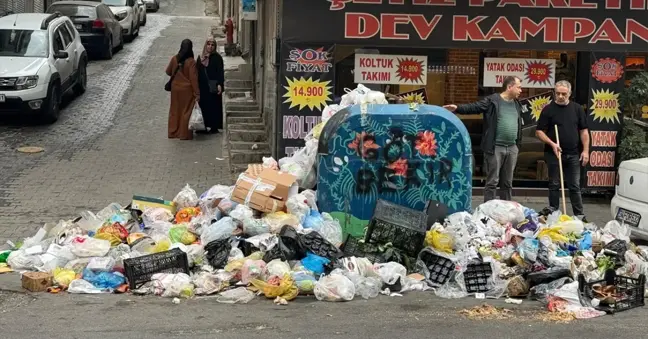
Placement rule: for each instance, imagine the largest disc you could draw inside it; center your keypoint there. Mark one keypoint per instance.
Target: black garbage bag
(543, 255)
(246, 247)
(616, 249)
(217, 252)
(289, 246)
(547, 276)
(317, 244)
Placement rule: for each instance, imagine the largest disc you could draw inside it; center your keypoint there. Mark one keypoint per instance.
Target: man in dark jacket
(501, 137)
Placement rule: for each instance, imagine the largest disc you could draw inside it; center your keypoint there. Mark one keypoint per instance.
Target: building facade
(458, 51)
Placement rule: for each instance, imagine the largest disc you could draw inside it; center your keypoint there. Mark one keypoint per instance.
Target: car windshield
(23, 43)
(74, 11)
(115, 2)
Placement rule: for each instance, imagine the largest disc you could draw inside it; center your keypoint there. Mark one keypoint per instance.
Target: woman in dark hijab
(185, 92)
(211, 80)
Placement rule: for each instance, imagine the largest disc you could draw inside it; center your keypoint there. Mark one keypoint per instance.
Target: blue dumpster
(406, 154)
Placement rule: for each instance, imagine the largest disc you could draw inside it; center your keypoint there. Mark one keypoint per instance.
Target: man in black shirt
(573, 149)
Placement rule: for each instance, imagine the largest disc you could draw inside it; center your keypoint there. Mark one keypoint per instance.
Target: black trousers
(572, 175)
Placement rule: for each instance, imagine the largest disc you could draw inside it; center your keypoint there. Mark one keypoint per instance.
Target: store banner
(604, 118)
(418, 96)
(534, 73)
(249, 10)
(599, 25)
(532, 107)
(390, 69)
(306, 78)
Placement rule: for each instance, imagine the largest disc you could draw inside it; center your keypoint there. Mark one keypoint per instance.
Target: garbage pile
(266, 236)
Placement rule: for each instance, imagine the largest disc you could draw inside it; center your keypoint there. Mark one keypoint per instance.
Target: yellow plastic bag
(111, 237)
(440, 241)
(317, 130)
(286, 289)
(182, 235)
(277, 220)
(63, 277)
(237, 265)
(553, 233)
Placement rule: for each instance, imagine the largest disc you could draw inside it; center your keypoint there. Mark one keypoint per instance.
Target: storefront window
(459, 77)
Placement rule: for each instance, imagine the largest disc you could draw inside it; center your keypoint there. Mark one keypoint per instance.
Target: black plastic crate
(140, 270)
(477, 276)
(403, 227)
(629, 292)
(353, 247)
(440, 267)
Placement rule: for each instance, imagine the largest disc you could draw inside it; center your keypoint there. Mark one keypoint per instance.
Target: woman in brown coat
(185, 92)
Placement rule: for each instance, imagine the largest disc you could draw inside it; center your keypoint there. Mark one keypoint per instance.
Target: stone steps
(247, 156)
(233, 120)
(250, 146)
(247, 135)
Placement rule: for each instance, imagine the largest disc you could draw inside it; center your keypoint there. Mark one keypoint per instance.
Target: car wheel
(137, 29)
(82, 78)
(53, 108)
(108, 51)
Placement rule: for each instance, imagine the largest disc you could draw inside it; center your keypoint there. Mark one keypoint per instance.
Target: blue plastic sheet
(315, 263)
(104, 279)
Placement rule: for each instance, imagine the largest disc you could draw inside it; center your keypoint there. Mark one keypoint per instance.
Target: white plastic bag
(19, 260)
(330, 111)
(277, 268)
(89, 247)
(502, 211)
(196, 121)
(391, 272)
(187, 197)
(334, 287)
(331, 230)
(238, 295)
(219, 230)
(172, 285)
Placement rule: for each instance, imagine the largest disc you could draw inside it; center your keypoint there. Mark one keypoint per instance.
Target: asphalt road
(111, 143)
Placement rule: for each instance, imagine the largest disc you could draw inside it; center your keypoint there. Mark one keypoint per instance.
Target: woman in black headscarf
(211, 80)
(185, 92)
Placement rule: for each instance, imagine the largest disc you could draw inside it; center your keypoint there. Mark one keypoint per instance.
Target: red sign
(538, 72)
(607, 70)
(604, 25)
(410, 69)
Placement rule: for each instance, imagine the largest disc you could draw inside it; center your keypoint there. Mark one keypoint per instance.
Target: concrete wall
(23, 6)
(270, 68)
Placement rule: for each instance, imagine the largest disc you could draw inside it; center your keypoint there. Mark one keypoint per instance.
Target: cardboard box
(266, 191)
(36, 281)
(141, 203)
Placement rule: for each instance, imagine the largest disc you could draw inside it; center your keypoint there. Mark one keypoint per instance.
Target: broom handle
(562, 181)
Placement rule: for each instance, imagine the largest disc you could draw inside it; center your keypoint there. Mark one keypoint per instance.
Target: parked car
(126, 12)
(100, 31)
(630, 202)
(152, 5)
(42, 58)
(142, 12)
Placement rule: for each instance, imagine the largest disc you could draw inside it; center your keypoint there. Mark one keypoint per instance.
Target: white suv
(42, 58)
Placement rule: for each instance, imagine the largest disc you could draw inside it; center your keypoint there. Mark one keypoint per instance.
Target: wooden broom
(562, 181)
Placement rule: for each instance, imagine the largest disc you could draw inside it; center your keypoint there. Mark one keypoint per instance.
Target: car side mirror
(61, 55)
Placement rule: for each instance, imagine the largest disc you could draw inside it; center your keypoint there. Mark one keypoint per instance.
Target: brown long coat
(184, 93)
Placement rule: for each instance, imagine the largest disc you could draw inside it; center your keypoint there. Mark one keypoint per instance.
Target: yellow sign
(605, 106)
(307, 93)
(537, 105)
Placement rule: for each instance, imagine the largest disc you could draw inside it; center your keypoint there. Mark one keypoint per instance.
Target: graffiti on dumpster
(407, 159)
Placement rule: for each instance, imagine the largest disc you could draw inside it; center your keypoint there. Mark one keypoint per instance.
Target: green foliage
(633, 142)
(633, 139)
(635, 97)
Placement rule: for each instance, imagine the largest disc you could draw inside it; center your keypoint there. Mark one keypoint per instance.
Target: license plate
(2, 98)
(77, 26)
(628, 217)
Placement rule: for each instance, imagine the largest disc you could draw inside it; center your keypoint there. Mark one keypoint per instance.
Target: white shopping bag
(196, 121)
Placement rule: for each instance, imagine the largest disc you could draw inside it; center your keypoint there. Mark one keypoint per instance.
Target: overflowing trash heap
(263, 237)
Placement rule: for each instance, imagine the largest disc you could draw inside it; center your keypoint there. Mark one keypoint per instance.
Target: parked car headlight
(27, 82)
(121, 15)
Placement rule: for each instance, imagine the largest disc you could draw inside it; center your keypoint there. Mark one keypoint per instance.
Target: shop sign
(533, 106)
(249, 10)
(534, 73)
(306, 80)
(587, 25)
(390, 69)
(604, 119)
(417, 96)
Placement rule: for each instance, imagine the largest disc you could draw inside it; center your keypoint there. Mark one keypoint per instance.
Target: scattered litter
(513, 301)
(30, 149)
